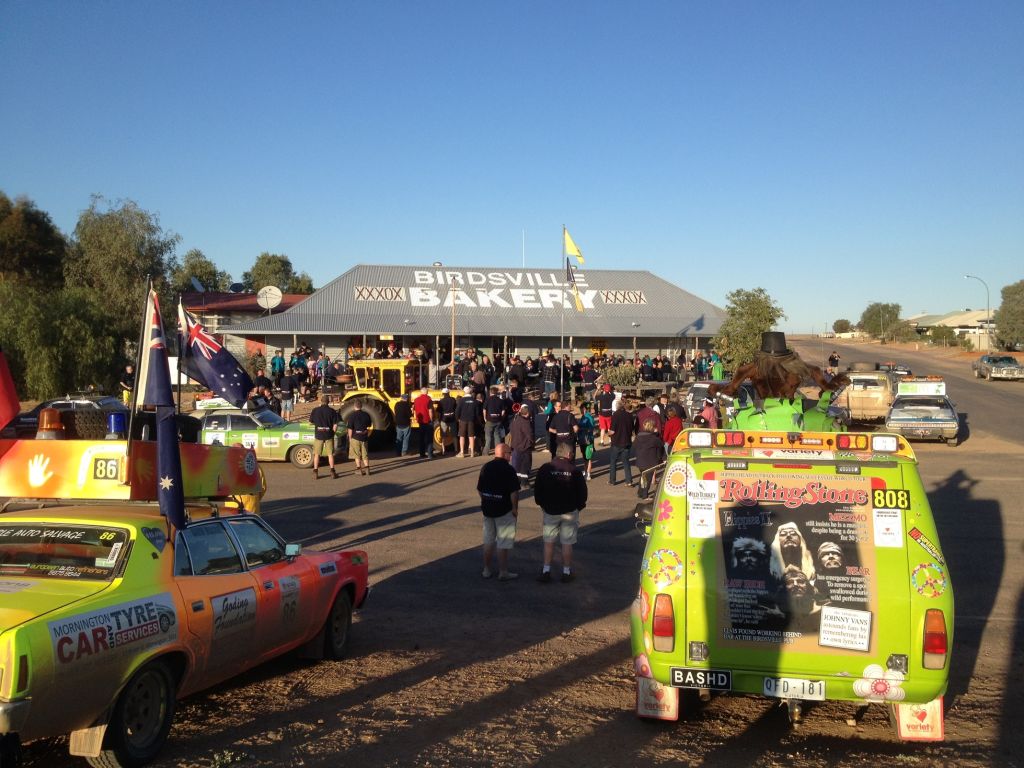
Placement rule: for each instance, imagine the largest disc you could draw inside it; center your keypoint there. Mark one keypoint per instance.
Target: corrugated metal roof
(218, 301)
(395, 299)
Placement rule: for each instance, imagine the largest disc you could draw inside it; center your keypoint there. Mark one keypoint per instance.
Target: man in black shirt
(561, 491)
(446, 412)
(499, 501)
(495, 410)
(272, 402)
(403, 425)
(287, 386)
(563, 427)
(622, 431)
(605, 401)
(468, 413)
(359, 425)
(521, 441)
(325, 420)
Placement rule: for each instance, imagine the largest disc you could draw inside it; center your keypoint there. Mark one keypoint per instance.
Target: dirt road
(448, 669)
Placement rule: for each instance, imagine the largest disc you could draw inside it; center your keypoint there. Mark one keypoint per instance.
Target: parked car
(270, 436)
(868, 396)
(998, 367)
(87, 422)
(693, 400)
(924, 417)
(896, 369)
(105, 621)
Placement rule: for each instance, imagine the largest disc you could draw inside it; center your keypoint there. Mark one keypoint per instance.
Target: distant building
(216, 310)
(526, 311)
(971, 324)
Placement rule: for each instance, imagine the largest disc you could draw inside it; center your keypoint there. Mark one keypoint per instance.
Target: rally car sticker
(330, 568)
(234, 612)
(249, 439)
(289, 598)
(156, 537)
(271, 442)
(11, 587)
(702, 496)
(928, 579)
(845, 628)
(115, 631)
(289, 435)
(927, 545)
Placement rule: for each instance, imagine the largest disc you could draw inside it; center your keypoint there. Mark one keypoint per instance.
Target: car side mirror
(291, 551)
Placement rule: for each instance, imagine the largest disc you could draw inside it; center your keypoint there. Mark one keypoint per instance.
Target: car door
(286, 588)
(220, 599)
(244, 431)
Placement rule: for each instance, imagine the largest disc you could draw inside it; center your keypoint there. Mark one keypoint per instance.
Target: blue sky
(834, 154)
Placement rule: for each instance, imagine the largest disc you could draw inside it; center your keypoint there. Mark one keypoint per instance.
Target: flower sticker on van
(880, 685)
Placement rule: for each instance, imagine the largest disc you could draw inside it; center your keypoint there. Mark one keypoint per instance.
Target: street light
(988, 344)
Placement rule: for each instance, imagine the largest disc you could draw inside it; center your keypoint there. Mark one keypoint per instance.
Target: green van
(801, 566)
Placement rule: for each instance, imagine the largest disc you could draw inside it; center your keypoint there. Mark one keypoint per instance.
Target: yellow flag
(570, 246)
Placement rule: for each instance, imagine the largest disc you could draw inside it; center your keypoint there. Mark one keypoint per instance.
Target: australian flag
(209, 363)
(155, 387)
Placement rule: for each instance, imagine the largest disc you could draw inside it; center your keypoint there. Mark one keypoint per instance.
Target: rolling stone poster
(797, 561)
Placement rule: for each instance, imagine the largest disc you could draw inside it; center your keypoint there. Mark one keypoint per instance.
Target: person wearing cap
(468, 413)
(403, 425)
(423, 408)
(325, 423)
(605, 408)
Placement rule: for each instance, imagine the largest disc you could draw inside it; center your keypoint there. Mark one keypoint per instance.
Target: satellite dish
(197, 285)
(236, 288)
(269, 296)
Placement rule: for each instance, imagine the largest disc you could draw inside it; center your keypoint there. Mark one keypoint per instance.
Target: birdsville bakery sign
(506, 290)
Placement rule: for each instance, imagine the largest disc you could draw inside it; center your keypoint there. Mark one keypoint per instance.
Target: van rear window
(45, 550)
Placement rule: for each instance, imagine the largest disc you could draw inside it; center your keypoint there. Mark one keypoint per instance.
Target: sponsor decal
(675, 480)
(156, 537)
(289, 586)
(10, 587)
(655, 700)
(921, 722)
(702, 496)
(249, 463)
(329, 568)
(845, 628)
(115, 631)
(249, 440)
(735, 489)
(233, 612)
(888, 527)
(927, 545)
(271, 442)
(788, 454)
(289, 435)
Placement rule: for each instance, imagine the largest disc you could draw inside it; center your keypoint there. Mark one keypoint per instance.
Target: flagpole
(561, 334)
(138, 370)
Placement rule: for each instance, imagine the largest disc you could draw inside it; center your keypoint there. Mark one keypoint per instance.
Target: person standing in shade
(468, 412)
(448, 420)
(649, 449)
(423, 407)
(359, 425)
(622, 431)
(605, 408)
(495, 410)
(564, 428)
(498, 487)
(521, 440)
(127, 383)
(403, 425)
(287, 387)
(325, 422)
(585, 437)
(561, 492)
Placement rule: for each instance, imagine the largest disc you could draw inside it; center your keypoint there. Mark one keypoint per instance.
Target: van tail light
(664, 624)
(935, 641)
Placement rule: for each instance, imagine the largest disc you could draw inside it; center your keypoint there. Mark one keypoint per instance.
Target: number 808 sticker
(890, 498)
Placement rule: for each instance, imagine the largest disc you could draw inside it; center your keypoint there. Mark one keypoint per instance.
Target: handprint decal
(37, 470)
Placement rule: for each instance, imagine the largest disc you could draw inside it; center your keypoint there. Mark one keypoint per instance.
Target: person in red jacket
(423, 408)
(671, 430)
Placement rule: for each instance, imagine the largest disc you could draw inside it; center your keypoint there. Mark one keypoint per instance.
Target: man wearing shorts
(325, 423)
(604, 409)
(468, 413)
(359, 425)
(498, 486)
(561, 491)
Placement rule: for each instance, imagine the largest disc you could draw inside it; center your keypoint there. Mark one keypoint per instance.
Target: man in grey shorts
(561, 491)
(498, 486)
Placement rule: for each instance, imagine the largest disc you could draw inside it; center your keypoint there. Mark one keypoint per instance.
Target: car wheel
(301, 456)
(339, 621)
(141, 720)
(951, 442)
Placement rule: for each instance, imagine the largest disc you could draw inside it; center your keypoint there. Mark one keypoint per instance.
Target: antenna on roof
(236, 287)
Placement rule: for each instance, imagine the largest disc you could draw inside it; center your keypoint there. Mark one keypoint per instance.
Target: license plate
(692, 677)
(794, 688)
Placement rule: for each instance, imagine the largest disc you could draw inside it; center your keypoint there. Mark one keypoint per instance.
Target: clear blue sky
(834, 154)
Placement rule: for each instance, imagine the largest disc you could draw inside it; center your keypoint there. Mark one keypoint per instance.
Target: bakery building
(495, 310)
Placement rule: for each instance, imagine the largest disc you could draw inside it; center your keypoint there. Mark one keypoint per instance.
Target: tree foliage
(276, 269)
(880, 320)
(195, 264)
(748, 315)
(842, 326)
(1009, 316)
(115, 252)
(32, 249)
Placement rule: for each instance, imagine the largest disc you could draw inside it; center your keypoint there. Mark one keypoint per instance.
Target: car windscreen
(268, 418)
(1004, 360)
(922, 404)
(61, 551)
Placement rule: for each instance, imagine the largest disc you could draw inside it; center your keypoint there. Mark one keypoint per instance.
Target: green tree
(196, 265)
(881, 321)
(748, 315)
(1009, 316)
(115, 251)
(276, 269)
(32, 249)
(842, 326)
(943, 336)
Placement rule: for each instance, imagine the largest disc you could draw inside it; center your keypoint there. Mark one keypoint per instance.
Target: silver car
(998, 367)
(924, 417)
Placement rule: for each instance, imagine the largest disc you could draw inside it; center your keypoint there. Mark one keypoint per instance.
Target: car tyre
(141, 720)
(336, 630)
(301, 456)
